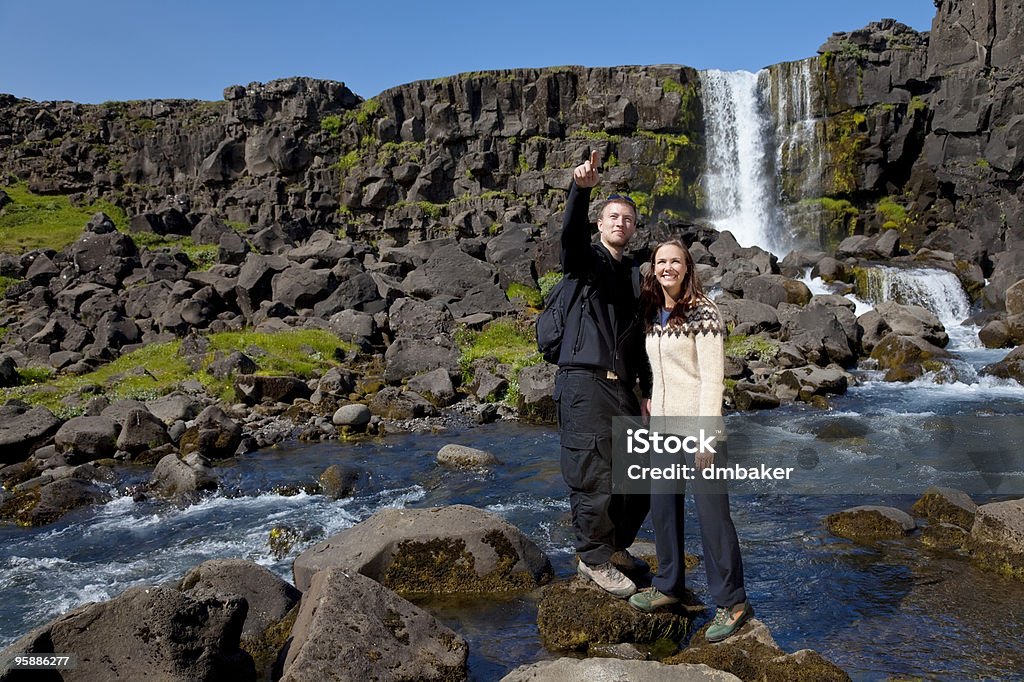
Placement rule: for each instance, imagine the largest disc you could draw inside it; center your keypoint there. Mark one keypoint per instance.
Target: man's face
(617, 224)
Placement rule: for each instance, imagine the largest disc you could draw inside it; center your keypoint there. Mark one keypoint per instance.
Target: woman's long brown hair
(652, 298)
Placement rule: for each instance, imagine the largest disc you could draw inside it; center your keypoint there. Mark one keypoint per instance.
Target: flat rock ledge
(444, 550)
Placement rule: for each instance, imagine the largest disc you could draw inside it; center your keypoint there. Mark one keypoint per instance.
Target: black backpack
(559, 305)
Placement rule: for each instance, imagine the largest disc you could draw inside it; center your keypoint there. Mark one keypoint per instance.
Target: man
(600, 360)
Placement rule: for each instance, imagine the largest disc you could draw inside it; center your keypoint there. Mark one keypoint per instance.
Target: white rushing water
(740, 175)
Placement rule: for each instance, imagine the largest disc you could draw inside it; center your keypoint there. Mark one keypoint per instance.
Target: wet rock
(175, 477)
(752, 654)
(348, 622)
(868, 523)
(945, 536)
(442, 550)
(913, 320)
(464, 457)
(1010, 367)
(907, 357)
(577, 615)
(213, 435)
(337, 481)
(588, 669)
(997, 538)
(161, 634)
(805, 382)
(818, 334)
(946, 505)
(39, 506)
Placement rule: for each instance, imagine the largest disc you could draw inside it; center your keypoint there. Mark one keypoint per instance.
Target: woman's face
(670, 268)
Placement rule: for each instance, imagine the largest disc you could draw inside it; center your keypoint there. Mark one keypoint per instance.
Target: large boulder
(464, 457)
(87, 437)
(159, 632)
(174, 407)
(818, 333)
(299, 287)
(411, 318)
(51, 501)
(946, 505)
(913, 320)
(439, 551)
(536, 386)
(253, 389)
(1010, 367)
(350, 627)
(997, 537)
(907, 357)
(23, 429)
(392, 402)
(175, 477)
(272, 603)
(449, 272)
(141, 431)
(408, 357)
(436, 386)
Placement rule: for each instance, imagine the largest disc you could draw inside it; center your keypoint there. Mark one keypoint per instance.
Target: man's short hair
(618, 199)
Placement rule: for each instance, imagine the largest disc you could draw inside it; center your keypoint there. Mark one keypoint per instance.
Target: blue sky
(102, 50)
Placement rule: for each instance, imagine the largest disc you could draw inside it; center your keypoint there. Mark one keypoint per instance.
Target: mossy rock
(752, 654)
(997, 538)
(578, 615)
(266, 646)
(946, 505)
(945, 536)
(870, 523)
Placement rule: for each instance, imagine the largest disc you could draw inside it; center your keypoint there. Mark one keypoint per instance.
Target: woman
(685, 346)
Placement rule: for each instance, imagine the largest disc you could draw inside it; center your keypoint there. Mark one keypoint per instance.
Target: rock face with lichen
(868, 523)
(997, 537)
(444, 550)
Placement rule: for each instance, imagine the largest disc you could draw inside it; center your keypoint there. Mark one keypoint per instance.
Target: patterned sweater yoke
(688, 361)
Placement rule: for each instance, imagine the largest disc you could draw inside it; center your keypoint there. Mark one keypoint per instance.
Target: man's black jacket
(605, 331)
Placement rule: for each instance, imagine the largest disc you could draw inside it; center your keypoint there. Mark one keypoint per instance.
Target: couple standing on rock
(668, 336)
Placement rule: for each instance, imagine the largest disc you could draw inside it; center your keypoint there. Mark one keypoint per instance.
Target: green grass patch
(508, 340)
(529, 295)
(157, 369)
(203, 256)
(754, 347)
(6, 282)
(347, 162)
(332, 125)
(916, 104)
(34, 221)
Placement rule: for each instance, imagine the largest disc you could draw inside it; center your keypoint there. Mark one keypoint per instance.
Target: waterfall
(792, 92)
(739, 178)
(936, 290)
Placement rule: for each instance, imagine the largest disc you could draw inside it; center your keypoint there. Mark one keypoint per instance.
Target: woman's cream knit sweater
(688, 362)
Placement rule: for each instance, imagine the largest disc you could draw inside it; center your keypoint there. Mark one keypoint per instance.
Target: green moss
(34, 221)
(916, 104)
(859, 118)
(599, 135)
(644, 203)
(754, 347)
(529, 295)
(983, 163)
(157, 369)
(332, 124)
(346, 162)
(431, 209)
(547, 282)
(362, 114)
(394, 153)
(202, 256)
(893, 215)
(844, 142)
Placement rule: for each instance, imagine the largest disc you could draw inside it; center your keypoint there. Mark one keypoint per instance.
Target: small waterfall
(792, 91)
(739, 178)
(937, 290)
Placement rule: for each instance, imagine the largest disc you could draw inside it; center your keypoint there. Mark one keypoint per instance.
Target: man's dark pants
(604, 523)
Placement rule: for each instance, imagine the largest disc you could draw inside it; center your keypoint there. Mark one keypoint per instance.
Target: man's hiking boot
(608, 578)
(627, 563)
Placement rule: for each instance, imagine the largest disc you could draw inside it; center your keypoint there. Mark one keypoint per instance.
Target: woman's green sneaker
(727, 621)
(650, 599)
